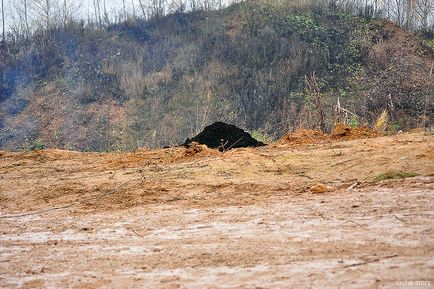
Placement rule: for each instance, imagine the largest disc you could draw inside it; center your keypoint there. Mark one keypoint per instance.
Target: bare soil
(198, 218)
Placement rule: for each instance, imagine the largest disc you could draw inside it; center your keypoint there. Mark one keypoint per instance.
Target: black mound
(224, 136)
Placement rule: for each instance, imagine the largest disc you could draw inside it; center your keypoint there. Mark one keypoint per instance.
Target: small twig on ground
(401, 220)
(371, 261)
(345, 161)
(348, 221)
(222, 146)
(232, 145)
(336, 154)
(135, 232)
(353, 186)
(349, 167)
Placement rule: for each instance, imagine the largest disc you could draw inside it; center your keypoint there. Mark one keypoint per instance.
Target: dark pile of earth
(223, 136)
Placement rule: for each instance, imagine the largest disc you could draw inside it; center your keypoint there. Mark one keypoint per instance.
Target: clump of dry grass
(382, 121)
(394, 175)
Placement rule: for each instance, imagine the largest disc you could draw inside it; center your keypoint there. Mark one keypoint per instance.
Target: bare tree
(42, 9)
(22, 10)
(206, 4)
(387, 8)
(398, 10)
(409, 23)
(68, 11)
(124, 10)
(177, 6)
(157, 8)
(97, 10)
(134, 9)
(106, 18)
(193, 5)
(424, 8)
(142, 7)
(3, 22)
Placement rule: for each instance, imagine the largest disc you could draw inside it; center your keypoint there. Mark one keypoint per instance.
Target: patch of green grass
(260, 136)
(37, 146)
(354, 122)
(394, 175)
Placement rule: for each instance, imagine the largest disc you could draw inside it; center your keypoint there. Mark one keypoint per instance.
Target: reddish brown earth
(198, 218)
(340, 132)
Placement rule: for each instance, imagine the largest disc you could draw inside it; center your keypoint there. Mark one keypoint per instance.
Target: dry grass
(394, 175)
(382, 121)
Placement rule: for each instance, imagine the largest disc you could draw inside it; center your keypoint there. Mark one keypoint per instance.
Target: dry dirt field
(197, 218)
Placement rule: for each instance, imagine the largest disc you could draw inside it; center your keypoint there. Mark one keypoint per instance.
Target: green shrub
(354, 122)
(37, 146)
(260, 136)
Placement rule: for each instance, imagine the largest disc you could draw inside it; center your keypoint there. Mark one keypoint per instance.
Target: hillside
(266, 68)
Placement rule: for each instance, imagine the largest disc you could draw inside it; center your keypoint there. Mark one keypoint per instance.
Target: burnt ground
(245, 218)
(223, 136)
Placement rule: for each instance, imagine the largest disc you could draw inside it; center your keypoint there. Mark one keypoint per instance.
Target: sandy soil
(178, 218)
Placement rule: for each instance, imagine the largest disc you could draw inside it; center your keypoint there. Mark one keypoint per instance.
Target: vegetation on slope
(265, 67)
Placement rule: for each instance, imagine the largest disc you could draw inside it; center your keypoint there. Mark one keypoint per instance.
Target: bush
(262, 137)
(37, 145)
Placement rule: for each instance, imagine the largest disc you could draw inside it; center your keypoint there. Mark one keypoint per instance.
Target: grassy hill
(266, 68)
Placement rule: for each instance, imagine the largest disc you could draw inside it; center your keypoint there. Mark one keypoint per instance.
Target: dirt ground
(246, 218)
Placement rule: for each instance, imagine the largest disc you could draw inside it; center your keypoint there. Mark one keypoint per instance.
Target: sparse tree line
(22, 17)
(410, 14)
